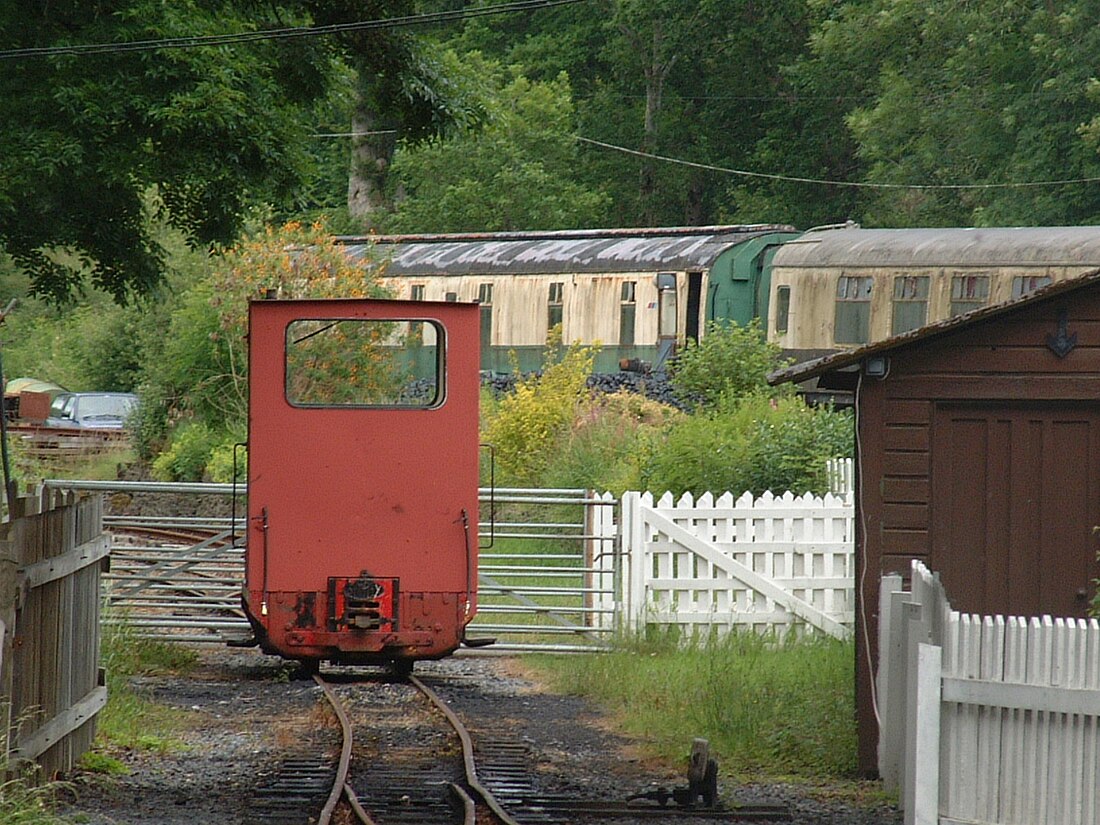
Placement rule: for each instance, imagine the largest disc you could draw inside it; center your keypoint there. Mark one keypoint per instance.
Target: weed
(770, 707)
(130, 720)
(95, 761)
(24, 799)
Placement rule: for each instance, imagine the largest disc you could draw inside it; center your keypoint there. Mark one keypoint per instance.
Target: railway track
(403, 755)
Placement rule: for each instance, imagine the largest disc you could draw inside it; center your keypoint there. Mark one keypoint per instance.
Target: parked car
(96, 410)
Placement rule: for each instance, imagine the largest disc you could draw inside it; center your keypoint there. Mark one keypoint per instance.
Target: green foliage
(531, 421)
(753, 444)
(516, 171)
(23, 801)
(188, 454)
(767, 707)
(608, 443)
(221, 464)
(95, 761)
(130, 720)
(728, 361)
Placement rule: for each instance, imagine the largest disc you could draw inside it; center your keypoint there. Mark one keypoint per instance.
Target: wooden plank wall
(51, 553)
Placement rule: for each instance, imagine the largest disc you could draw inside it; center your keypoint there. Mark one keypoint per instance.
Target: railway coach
(845, 287)
(639, 293)
(362, 479)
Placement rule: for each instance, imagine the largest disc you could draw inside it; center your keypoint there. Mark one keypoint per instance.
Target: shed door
(1016, 495)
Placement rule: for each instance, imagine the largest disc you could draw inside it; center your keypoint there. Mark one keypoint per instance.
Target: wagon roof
(566, 251)
(840, 360)
(1006, 246)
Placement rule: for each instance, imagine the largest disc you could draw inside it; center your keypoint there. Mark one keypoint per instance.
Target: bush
(728, 361)
(607, 445)
(753, 444)
(189, 453)
(533, 419)
(222, 459)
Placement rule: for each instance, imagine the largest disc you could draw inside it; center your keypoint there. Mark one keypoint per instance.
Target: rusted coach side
(840, 288)
(639, 293)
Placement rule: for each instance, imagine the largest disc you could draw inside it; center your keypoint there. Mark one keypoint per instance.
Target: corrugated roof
(567, 251)
(1053, 245)
(829, 363)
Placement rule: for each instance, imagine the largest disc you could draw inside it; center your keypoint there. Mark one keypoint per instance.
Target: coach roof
(565, 251)
(1007, 246)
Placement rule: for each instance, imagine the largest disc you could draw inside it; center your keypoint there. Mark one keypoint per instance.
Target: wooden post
(925, 793)
(9, 595)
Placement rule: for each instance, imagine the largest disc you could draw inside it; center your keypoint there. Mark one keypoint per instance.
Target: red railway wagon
(362, 478)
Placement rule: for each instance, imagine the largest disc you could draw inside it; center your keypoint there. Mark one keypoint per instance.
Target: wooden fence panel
(51, 553)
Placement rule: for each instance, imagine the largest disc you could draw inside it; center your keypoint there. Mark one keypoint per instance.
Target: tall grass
(768, 707)
(130, 720)
(24, 799)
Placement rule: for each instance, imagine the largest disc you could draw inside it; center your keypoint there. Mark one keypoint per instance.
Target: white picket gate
(712, 564)
(985, 719)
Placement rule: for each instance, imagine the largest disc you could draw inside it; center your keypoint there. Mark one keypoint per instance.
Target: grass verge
(130, 720)
(770, 708)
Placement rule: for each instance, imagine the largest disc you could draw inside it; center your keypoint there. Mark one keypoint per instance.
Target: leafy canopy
(516, 171)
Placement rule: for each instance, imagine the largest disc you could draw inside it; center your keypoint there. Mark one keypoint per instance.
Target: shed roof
(1001, 246)
(566, 251)
(839, 360)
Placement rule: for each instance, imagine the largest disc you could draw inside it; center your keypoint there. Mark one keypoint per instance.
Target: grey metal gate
(549, 576)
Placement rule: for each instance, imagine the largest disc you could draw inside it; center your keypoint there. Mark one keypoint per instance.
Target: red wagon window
(364, 363)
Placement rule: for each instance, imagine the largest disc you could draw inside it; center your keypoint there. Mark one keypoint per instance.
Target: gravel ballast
(244, 712)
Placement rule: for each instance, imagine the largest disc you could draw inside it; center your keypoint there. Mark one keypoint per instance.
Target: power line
(282, 34)
(858, 184)
(354, 134)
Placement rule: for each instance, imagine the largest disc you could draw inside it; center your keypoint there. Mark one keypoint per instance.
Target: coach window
(968, 292)
(364, 363)
(554, 303)
(416, 292)
(853, 310)
(782, 308)
(910, 303)
(485, 300)
(1025, 284)
(627, 313)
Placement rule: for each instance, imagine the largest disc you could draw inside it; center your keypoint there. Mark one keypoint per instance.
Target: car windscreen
(105, 406)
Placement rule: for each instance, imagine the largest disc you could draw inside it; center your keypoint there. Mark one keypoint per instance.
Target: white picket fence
(708, 565)
(986, 719)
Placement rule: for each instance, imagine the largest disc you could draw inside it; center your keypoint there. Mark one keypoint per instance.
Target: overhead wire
(826, 182)
(429, 18)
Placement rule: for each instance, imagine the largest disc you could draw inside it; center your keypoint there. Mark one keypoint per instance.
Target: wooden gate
(772, 563)
(51, 687)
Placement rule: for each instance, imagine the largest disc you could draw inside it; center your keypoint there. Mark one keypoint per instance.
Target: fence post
(9, 596)
(925, 793)
(890, 681)
(634, 591)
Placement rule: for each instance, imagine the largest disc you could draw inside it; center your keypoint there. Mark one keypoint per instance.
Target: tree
(516, 171)
(984, 93)
(200, 370)
(214, 129)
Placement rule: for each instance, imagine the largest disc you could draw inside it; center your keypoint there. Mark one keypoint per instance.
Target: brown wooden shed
(977, 452)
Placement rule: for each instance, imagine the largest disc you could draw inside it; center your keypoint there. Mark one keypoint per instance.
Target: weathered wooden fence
(51, 552)
(986, 719)
(708, 565)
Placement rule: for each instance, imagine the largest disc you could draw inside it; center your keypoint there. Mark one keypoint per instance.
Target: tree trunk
(371, 154)
(655, 72)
